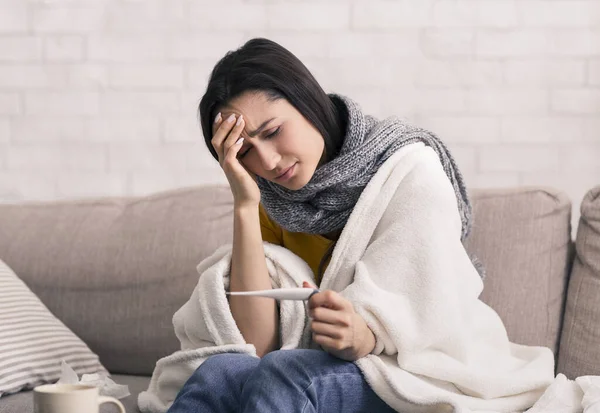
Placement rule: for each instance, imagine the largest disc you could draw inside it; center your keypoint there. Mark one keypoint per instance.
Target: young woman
(297, 160)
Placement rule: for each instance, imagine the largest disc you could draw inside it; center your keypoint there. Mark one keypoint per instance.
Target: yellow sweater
(310, 247)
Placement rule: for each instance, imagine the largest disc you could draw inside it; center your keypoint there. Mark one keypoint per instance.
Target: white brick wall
(99, 97)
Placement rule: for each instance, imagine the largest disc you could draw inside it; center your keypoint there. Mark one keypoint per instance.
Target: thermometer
(280, 293)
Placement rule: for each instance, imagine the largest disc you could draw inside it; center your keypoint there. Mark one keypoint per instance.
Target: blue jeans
(307, 381)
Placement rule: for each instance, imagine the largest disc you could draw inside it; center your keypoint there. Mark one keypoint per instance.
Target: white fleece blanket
(401, 263)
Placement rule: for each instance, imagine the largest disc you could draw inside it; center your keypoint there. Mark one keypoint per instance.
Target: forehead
(255, 106)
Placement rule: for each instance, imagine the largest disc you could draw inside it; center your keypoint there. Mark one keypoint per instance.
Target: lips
(284, 172)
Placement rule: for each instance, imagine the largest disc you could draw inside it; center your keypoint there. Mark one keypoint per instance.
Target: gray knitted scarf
(324, 204)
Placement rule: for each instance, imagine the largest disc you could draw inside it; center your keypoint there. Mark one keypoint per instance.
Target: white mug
(70, 398)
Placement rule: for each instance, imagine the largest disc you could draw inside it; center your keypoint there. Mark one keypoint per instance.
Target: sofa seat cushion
(23, 402)
(580, 341)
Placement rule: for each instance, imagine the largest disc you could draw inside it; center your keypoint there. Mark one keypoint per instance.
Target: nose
(269, 158)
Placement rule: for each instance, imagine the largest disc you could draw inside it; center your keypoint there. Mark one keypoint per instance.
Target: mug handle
(105, 399)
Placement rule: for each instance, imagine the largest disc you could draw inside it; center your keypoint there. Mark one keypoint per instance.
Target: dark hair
(261, 65)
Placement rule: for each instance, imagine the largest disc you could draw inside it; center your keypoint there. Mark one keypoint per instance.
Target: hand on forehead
(255, 108)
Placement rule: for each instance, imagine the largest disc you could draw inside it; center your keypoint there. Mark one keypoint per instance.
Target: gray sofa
(115, 270)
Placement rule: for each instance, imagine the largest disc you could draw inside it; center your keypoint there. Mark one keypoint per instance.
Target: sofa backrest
(523, 237)
(115, 270)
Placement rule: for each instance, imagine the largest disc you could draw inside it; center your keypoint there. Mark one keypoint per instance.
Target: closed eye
(269, 136)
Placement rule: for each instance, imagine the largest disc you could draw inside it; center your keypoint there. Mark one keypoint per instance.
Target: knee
(275, 374)
(302, 357)
(287, 361)
(220, 361)
(220, 367)
(280, 371)
(276, 359)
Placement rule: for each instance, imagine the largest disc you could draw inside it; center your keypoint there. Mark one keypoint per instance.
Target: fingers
(329, 316)
(218, 136)
(328, 299)
(226, 133)
(330, 343)
(234, 141)
(223, 133)
(325, 329)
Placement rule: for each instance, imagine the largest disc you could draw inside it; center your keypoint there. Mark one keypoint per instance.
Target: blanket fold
(401, 263)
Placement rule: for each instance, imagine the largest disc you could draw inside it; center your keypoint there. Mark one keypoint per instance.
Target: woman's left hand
(337, 328)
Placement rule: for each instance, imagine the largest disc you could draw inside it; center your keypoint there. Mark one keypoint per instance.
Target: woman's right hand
(227, 142)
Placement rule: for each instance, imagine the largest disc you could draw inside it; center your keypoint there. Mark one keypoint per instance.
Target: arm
(256, 317)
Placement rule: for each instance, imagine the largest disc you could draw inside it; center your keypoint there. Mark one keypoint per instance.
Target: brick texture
(100, 97)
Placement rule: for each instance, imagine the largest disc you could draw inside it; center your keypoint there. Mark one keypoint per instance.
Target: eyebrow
(260, 128)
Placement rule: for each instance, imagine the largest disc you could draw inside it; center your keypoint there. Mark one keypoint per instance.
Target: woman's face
(276, 137)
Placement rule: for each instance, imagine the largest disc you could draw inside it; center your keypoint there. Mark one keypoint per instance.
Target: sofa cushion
(523, 238)
(580, 342)
(23, 402)
(33, 342)
(115, 270)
